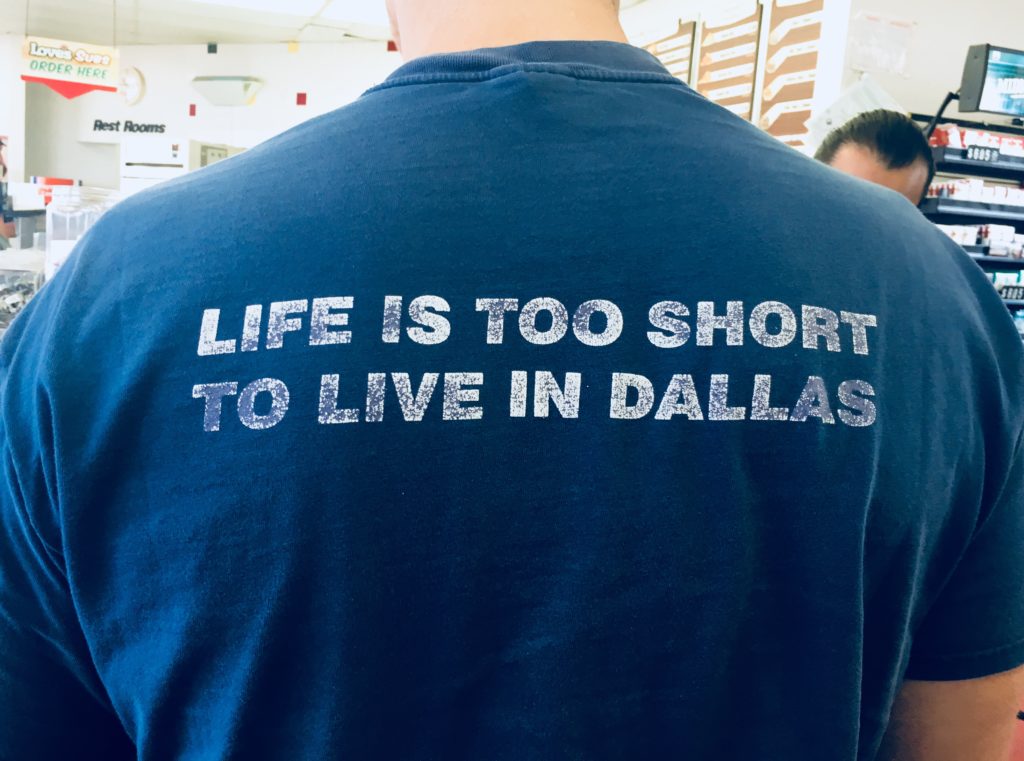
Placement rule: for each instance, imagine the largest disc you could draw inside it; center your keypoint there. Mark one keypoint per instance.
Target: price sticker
(987, 155)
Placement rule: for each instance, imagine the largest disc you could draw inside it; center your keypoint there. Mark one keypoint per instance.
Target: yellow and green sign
(70, 68)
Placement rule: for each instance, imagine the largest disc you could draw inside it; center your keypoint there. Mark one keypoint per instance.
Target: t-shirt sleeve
(976, 627)
(53, 704)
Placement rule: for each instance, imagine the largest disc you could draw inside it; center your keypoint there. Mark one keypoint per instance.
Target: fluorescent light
(228, 91)
(301, 8)
(368, 12)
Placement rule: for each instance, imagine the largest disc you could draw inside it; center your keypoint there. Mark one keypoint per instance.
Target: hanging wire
(28, 4)
(115, 25)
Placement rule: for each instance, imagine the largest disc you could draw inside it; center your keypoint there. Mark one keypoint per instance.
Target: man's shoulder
(276, 165)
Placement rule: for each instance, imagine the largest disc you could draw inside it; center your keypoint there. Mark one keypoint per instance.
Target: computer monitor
(993, 81)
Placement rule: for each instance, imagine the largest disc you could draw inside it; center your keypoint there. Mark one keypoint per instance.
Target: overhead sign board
(69, 68)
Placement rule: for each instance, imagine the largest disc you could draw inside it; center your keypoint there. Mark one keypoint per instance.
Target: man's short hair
(894, 137)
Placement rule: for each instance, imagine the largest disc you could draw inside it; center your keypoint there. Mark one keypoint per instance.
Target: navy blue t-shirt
(530, 407)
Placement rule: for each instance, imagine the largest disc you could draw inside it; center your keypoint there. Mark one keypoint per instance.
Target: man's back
(530, 407)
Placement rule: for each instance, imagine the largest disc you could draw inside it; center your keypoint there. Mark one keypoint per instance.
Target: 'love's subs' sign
(69, 68)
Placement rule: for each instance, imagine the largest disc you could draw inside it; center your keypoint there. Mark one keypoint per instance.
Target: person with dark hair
(883, 147)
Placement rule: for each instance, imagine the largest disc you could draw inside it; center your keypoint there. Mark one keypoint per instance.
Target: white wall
(943, 33)
(332, 75)
(652, 19)
(12, 105)
(53, 149)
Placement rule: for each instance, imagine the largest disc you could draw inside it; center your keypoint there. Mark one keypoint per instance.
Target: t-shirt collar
(609, 57)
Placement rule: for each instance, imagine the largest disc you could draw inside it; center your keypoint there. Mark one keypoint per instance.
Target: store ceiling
(185, 22)
(181, 22)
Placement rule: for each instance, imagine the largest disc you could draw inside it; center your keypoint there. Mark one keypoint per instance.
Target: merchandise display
(1009, 284)
(69, 215)
(977, 199)
(977, 191)
(17, 287)
(1004, 146)
(998, 240)
(21, 276)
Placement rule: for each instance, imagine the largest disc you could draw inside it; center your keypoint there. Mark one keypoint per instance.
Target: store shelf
(954, 160)
(999, 261)
(947, 207)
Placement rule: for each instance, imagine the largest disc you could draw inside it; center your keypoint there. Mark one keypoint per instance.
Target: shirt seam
(585, 74)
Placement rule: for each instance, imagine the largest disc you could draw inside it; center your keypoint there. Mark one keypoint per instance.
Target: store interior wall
(333, 74)
(654, 19)
(12, 105)
(53, 148)
(943, 33)
(330, 74)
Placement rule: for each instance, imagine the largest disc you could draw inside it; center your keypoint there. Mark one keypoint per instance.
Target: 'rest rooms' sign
(99, 125)
(69, 68)
(128, 127)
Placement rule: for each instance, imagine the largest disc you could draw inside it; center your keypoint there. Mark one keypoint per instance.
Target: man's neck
(450, 26)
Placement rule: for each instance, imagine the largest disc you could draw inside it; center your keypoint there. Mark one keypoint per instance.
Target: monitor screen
(1003, 89)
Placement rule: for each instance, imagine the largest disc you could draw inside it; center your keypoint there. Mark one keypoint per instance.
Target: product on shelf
(1001, 240)
(977, 190)
(952, 136)
(965, 235)
(998, 236)
(1009, 285)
